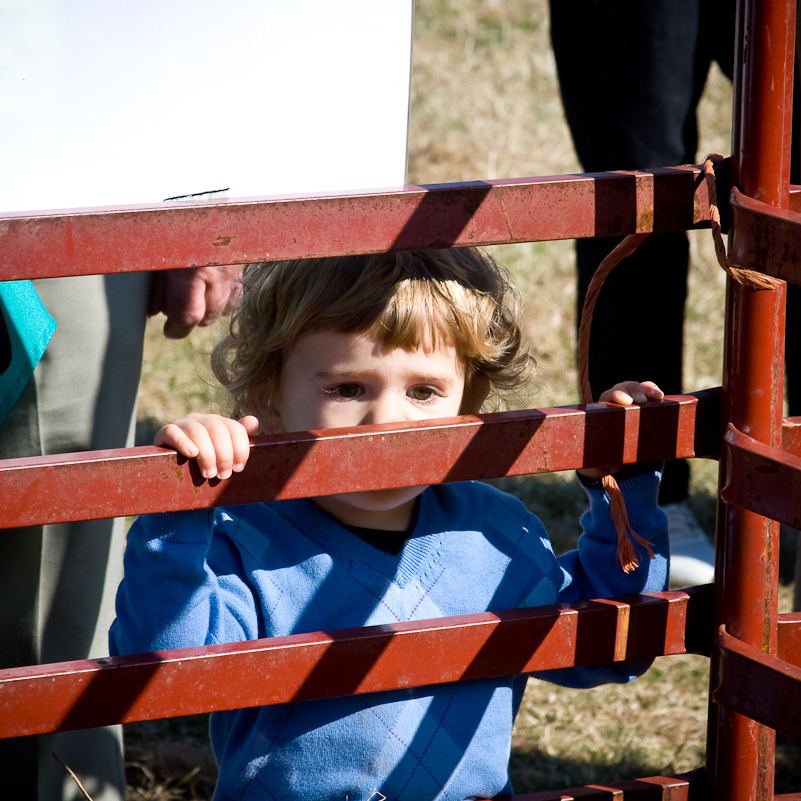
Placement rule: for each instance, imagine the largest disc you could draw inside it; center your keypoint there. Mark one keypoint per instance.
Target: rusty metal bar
(684, 787)
(758, 685)
(795, 198)
(762, 479)
(654, 788)
(740, 751)
(83, 486)
(789, 645)
(765, 238)
(85, 693)
(791, 435)
(135, 238)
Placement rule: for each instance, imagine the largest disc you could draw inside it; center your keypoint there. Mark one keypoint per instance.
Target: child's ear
(271, 424)
(482, 390)
(263, 399)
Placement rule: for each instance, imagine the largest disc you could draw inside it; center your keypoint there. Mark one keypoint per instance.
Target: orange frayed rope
(749, 278)
(626, 536)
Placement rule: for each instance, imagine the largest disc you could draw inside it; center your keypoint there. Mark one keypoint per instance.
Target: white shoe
(692, 557)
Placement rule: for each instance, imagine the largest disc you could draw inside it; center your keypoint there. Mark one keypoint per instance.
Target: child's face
(335, 380)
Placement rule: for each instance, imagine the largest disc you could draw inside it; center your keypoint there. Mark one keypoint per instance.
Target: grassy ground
(486, 105)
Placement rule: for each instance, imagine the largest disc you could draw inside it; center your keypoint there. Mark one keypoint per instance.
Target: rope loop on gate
(626, 553)
(626, 536)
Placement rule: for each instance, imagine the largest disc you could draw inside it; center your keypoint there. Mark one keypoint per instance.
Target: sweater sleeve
(170, 597)
(593, 570)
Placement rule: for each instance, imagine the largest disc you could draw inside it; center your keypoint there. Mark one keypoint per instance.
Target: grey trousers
(58, 583)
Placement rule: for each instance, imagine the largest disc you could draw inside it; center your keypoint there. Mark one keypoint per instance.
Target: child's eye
(422, 393)
(344, 390)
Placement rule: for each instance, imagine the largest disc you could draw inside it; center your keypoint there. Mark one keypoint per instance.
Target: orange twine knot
(749, 278)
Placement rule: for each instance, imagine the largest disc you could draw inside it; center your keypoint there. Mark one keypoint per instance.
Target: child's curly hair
(407, 300)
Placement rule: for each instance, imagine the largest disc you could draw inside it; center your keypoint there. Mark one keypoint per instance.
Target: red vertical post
(741, 752)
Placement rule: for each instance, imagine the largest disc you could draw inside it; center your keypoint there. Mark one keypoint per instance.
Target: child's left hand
(626, 393)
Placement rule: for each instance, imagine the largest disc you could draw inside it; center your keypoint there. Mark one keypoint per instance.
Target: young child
(353, 341)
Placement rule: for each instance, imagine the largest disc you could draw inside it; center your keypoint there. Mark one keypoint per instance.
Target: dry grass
(486, 105)
(169, 760)
(568, 737)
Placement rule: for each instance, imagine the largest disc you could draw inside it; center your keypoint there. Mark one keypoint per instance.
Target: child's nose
(385, 409)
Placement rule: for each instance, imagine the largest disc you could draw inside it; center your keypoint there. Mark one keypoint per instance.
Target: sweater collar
(401, 568)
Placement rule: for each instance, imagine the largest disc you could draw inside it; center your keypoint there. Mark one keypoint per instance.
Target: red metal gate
(755, 653)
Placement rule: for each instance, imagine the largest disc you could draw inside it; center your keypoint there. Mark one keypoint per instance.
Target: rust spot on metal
(222, 240)
(645, 219)
(506, 219)
(543, 451)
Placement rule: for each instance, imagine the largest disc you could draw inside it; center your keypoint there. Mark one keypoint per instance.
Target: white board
(107, 102)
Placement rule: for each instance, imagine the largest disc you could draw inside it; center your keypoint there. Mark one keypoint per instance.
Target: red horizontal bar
(85, 486)
(654, 788)
(758, 685)
(789, 638)
(764, 238)
(85, 693)
(762, 479)
(791, 435)
(137, 238)
(795, 198)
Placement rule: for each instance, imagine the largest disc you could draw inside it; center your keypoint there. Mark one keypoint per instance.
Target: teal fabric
(28, 328)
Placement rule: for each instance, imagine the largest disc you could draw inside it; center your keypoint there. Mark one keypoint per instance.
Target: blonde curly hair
(407, 300)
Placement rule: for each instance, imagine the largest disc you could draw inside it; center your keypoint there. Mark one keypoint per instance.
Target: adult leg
(57, 583)
(637, 328)
(630, 75)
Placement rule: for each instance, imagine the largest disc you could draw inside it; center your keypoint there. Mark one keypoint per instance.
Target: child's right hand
(221, 445)
(626, 393)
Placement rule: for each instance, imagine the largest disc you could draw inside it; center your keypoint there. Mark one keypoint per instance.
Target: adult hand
(193, 296)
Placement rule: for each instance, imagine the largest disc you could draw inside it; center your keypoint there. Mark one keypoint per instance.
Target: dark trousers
(631, 73)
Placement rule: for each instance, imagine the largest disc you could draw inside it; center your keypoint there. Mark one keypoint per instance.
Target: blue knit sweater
(264, 570)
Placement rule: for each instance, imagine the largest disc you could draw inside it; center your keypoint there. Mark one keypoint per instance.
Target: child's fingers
(250, 424)
(240, 432)
(627, 393)
(173, 436)
(220, 445)
(193, 433)
(652, 391)
(230, 447)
